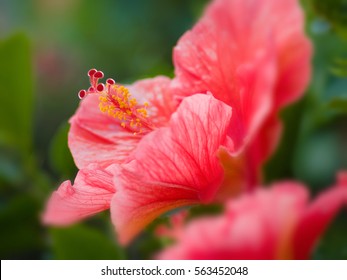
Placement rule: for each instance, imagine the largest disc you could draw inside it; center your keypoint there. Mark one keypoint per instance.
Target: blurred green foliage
(335, 11)
(19, 205)
(333, 245)
(21, 232)
(83, 242)
(40, 76)
(60, 156)
(16, 86)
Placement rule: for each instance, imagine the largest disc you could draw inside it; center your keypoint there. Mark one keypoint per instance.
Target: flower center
(117, 102)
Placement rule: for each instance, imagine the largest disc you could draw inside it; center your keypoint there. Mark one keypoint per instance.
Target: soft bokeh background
(46, 49)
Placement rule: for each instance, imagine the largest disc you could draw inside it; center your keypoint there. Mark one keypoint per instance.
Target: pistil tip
(91, 72)
(82, 93)
(99, 75)
(110, 81)
(100, 87)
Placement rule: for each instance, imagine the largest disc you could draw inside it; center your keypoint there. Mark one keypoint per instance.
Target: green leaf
(60, 156)
(16, 93)
(81, 242)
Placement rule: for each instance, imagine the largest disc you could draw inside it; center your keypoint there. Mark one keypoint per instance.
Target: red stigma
(95, 86)
(100, 87)
(82, 93)
(99, 75)
(110, 81)
(91, 72)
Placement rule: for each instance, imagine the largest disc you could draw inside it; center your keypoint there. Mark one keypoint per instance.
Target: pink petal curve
(293, 48)
(91, 193)
(139, 203)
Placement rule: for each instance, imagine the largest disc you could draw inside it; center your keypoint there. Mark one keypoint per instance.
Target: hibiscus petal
(95, 137)
(230, 53)
(261, 148)
(262, 224)
(294, 50)
(317, 218)
(139, 203)
(90, 194)
(203, 239)
(255, 56)
(173, 166)
(157, 93)
(92, 147)
(185, 153)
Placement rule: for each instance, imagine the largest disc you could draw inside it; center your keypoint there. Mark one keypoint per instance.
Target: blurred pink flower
(275, 223)
(251, 57)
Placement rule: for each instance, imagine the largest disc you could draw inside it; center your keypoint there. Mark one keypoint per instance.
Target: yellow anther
(133, 102)
(142, 111)
(102, 108)
(102, 98)
(117, 102)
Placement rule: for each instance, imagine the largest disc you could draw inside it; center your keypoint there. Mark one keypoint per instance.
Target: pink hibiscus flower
(102, 135)
(275, 223)
(164, 182)
(181, 147)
